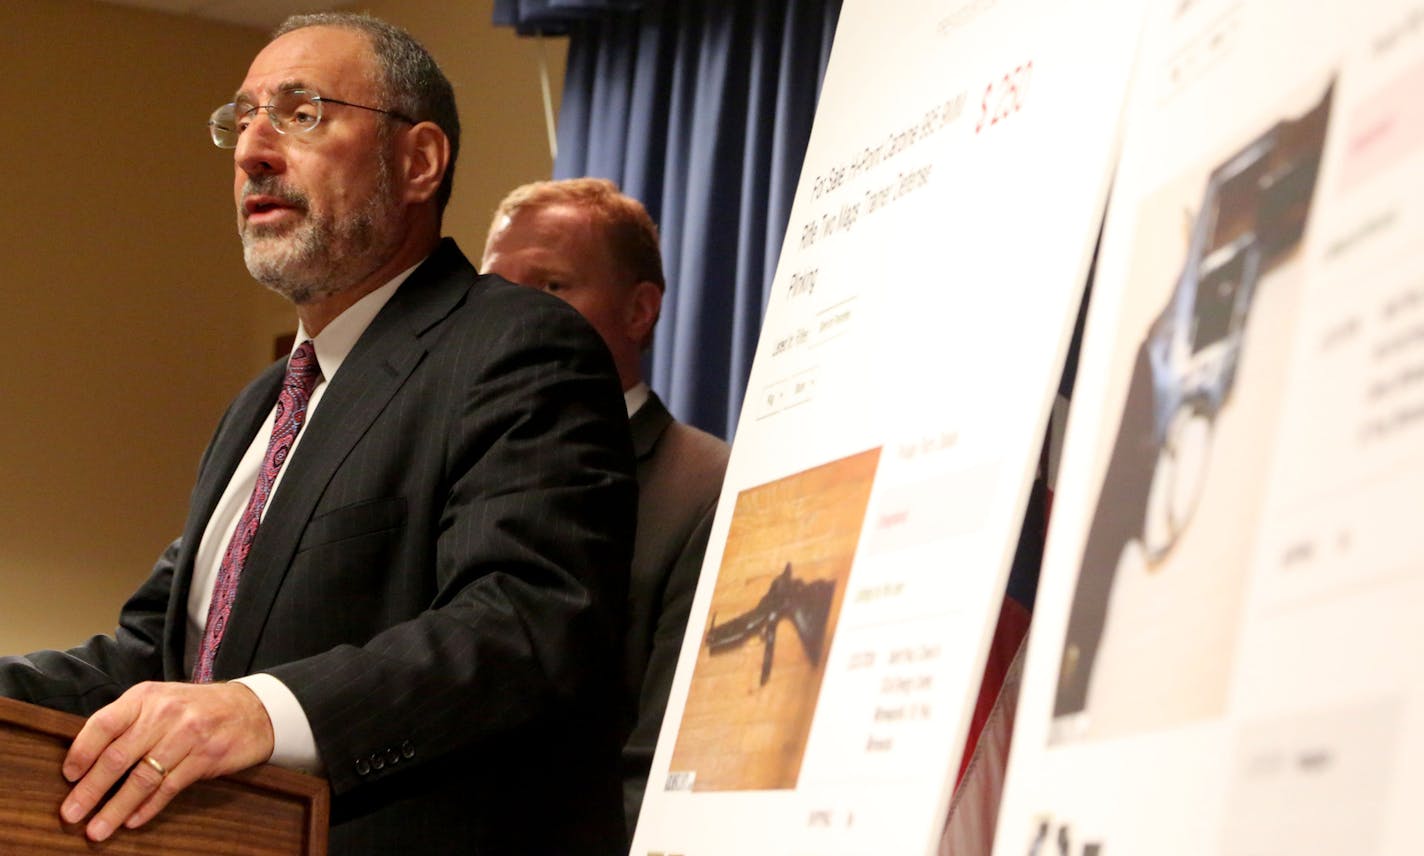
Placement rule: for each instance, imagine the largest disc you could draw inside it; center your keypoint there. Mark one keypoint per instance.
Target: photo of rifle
(743, 728)
(807, 604)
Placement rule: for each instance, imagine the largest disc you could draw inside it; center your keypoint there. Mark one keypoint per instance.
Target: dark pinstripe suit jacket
(440, 578)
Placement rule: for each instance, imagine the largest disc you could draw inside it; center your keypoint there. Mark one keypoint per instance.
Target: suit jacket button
(392, 756)
(407, 750)
(377, 760)
(362, 768)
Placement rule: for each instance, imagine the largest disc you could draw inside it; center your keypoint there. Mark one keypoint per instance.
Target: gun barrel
(734, 631)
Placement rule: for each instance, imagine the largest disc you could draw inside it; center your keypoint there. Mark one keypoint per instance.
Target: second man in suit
(584, 241)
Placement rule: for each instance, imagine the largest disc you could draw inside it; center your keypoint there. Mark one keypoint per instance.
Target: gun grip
(811, 614)
(767, 650)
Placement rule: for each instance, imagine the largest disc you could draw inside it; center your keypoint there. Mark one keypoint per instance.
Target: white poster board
(1224, 658)
(939, 240)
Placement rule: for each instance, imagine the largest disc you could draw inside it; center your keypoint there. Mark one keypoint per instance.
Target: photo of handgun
(1253, 213)
(807, 604)
(1254, 210)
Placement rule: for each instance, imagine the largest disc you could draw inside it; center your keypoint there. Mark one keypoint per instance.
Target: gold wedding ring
(157, 767)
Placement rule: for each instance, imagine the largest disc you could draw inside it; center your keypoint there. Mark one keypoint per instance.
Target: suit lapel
(233, 436)
(648, 425)
(381, 362)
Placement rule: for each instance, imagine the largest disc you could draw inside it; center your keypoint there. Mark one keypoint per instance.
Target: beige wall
(127, 321)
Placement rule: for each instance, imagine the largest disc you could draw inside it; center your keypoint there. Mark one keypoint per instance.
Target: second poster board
(1223, 656)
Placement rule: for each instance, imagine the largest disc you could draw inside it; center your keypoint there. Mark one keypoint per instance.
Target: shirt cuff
(293, 745)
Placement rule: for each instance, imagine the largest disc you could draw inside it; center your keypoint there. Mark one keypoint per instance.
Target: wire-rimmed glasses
(292, 111)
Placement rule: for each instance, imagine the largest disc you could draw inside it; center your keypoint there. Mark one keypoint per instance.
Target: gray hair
(411, 81)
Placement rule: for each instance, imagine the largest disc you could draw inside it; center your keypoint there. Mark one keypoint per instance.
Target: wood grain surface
(265, 810)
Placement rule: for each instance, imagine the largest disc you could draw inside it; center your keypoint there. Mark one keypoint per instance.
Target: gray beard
(319, 256)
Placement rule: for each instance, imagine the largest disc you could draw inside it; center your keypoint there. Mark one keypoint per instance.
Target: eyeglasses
(292, 111)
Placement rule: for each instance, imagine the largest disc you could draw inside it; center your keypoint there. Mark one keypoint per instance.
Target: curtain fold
(702, 110)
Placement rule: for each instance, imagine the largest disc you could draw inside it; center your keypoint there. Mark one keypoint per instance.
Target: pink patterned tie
(303, 372)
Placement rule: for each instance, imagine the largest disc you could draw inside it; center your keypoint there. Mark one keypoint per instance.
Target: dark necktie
(303, 372)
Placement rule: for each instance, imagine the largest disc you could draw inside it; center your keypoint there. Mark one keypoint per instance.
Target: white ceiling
(262, 14)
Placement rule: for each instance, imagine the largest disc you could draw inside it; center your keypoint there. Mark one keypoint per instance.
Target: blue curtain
(554, 17)
(701, 109)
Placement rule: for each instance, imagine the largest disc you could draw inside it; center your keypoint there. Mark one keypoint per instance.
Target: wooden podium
(265, 810)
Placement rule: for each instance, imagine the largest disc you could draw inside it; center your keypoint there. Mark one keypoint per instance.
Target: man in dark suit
(582, 240)
(405, 559)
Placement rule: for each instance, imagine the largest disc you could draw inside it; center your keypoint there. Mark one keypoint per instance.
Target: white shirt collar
(635, 397)
(334, 343)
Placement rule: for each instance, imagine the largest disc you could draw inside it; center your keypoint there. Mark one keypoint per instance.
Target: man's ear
(644, 305)
(427, 156)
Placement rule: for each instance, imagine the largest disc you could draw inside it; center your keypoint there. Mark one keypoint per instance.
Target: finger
(109, 764)
(173, 784)
(153, 787)
(98, 732)
(143, 782)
